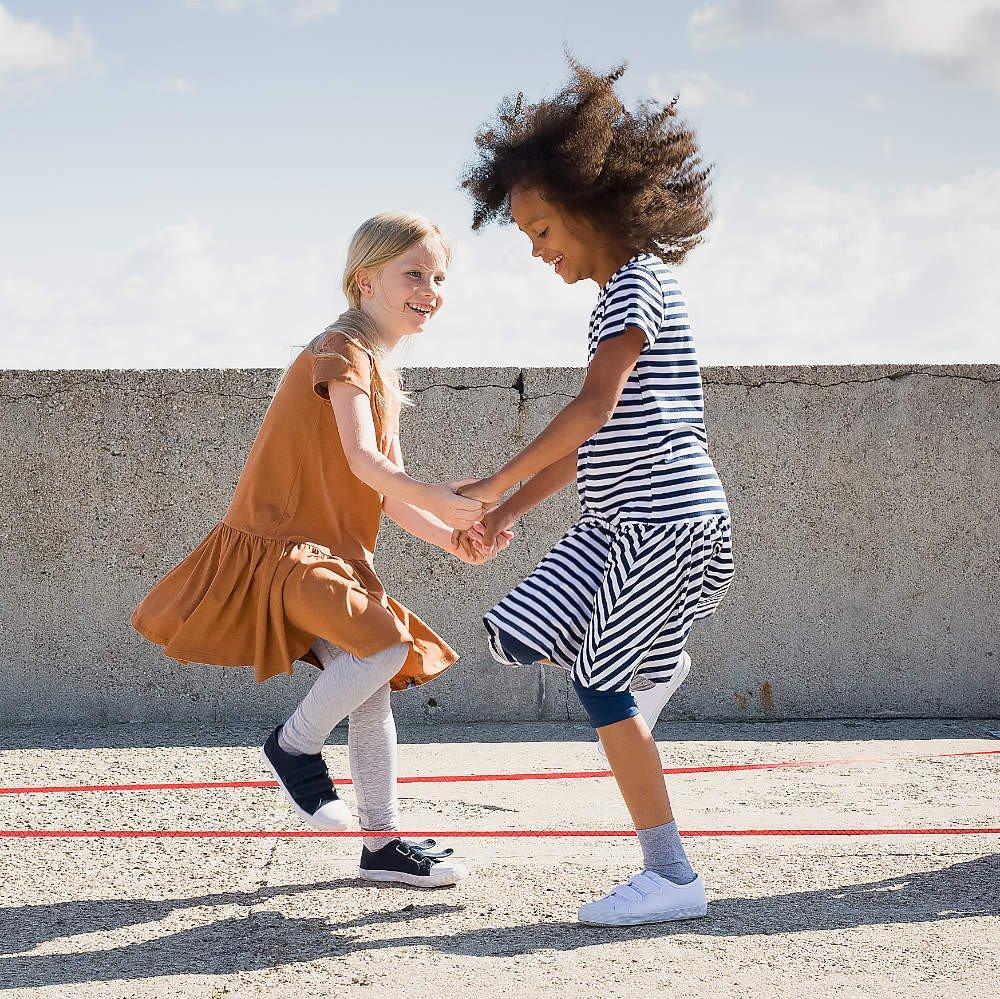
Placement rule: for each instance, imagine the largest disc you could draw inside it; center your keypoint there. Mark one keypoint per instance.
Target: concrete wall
(865, 501)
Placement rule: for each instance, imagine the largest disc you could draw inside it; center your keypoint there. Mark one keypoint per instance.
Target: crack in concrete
(460, 388)
(517, 386)
(894, 377)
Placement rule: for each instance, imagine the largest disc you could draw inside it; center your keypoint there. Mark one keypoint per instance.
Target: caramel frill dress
(292, 558)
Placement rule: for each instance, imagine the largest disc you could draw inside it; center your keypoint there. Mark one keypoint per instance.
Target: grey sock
(291, 750)
(663, 853)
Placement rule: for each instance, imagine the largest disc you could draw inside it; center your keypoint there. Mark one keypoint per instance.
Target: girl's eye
(439, 279)
(543, 233)
(415, 274)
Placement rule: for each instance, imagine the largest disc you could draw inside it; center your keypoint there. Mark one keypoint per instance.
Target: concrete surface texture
(865, 504)
(200, 917)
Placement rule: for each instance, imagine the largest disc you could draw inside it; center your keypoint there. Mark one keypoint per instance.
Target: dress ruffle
(243, 600)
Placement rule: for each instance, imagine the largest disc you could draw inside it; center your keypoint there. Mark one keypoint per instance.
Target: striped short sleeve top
(650, 461)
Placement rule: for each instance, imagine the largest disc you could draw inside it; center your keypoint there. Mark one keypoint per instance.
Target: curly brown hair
(635, 174)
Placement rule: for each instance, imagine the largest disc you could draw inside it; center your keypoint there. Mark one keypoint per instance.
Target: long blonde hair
(377, 241)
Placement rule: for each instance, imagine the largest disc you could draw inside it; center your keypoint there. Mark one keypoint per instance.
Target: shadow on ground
(259, 940)
(244, 734)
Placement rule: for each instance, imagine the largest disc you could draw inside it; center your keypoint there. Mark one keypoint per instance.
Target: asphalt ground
(849, 858)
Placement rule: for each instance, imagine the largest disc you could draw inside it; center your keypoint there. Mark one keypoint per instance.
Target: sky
(180, 178)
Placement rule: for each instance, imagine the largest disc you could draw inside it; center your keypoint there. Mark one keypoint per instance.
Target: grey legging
(356, 689)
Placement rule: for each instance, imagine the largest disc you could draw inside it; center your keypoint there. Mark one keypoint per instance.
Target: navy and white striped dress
(615, 598)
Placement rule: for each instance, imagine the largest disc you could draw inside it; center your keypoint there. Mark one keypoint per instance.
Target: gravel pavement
(284, 916)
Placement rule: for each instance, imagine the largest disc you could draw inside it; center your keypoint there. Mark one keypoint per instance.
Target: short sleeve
(338, 359)
(634, 299)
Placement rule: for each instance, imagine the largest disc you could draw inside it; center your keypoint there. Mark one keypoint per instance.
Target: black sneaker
(411, 863)
(305, 782)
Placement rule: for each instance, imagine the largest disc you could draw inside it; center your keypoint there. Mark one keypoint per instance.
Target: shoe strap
(420, 860)
(638, 888)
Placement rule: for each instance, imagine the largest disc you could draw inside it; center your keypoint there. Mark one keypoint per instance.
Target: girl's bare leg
(635, 762)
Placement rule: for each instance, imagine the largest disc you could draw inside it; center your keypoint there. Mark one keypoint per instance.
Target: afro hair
(635, 174)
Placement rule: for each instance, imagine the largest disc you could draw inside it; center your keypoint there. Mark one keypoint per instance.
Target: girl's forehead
(429, 254)
(527, 206)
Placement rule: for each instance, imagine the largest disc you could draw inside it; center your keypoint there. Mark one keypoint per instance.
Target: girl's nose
(535, 250)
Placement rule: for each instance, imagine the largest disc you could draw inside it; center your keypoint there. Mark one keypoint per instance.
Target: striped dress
(615, 598)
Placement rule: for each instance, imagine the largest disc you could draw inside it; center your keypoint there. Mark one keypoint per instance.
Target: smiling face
(570, 245)
(405, 292)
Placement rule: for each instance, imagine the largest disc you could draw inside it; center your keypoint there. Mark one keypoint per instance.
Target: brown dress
(292, 558)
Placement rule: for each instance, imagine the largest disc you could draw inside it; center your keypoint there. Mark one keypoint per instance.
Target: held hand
(495, 525)
(469, 547)
(456, 511)
(484, 490)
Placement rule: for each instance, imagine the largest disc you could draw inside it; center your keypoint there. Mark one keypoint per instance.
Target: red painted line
(467, 778)
(469, 833)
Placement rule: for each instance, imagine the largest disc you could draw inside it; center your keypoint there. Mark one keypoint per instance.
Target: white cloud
(179, 85)
(179, 298)
(182, 298)
(298, 12)
(696, 90)
(312, 10)
(504, 307)
(960, 38)
(29, 51)
(809, 274)
(228, 6)
(796, 273)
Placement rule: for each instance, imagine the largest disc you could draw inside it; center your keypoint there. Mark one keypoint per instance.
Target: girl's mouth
(420, 310)
(556, 262)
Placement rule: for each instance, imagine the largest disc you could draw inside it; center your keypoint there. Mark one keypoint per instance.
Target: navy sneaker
(407, 862)
(305, 782)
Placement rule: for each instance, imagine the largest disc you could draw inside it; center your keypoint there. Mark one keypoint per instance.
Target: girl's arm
(533, 492)
(352, 409)
(424, 525)
(420, 523)
(578, 422)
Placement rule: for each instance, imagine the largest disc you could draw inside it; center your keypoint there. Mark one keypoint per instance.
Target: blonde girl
(287, 575)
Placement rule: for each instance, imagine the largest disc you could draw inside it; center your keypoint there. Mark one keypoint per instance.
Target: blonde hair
(377, 241)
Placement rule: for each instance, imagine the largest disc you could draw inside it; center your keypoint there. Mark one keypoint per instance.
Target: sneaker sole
(413, 880)
(301, 812)
(675, 915)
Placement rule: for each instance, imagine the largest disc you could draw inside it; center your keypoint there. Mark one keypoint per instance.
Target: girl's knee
(517, 650)
(389, 661)
(377, 710)
(605, 707)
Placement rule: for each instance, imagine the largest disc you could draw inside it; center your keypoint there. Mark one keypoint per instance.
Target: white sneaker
(652, 698)
(647, 898)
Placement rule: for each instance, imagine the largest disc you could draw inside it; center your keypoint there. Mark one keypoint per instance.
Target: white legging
(356, 689)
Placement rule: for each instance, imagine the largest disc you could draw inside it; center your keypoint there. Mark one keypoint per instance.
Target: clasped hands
(479, 540)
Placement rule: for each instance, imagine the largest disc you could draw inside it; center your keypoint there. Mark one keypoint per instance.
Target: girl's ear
(364, 282)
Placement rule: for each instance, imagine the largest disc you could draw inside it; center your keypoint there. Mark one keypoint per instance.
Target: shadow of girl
(268, 939)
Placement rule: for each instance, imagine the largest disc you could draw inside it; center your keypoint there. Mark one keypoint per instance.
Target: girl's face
(570, 245)
(407, 291)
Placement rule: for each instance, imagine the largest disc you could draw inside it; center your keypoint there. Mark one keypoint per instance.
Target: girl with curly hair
(614, 195)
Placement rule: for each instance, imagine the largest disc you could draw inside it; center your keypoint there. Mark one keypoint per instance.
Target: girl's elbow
(361, 465)
(596, 413)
